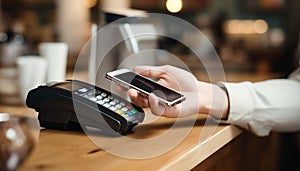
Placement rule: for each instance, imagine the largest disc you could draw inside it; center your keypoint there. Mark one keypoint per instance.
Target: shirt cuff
(241, 105)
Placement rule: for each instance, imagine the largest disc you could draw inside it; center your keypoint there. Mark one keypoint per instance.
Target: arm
(259, 107)
(201, 97)
(264, 106)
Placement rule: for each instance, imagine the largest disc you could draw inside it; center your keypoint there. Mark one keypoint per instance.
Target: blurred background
(249, 35)
(258, 39)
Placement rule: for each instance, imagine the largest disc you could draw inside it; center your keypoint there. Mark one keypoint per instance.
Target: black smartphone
(145, 86)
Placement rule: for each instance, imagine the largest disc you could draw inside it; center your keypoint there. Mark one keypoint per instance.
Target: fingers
(159, 109)
(138, 99)
(156, 107)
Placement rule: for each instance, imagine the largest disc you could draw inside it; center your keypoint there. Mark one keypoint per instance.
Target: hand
(200, 97)
(174, 78)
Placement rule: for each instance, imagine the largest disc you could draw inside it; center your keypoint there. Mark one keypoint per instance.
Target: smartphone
(145, 86)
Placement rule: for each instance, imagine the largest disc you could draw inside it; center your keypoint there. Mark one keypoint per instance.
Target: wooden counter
(67, 150)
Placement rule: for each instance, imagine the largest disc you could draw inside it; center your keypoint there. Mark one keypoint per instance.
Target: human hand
(201, 97)
(174, 78)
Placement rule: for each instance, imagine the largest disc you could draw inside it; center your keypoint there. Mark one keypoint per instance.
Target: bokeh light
(174, 6)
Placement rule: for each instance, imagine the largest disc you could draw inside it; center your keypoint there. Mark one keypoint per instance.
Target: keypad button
(109, 101)
(129, 113)
(132, 111)
(118, 106)
(83, 90)
(101, 102)
(93, 99)
(124, 115)
(106, 105)
(113, 108)
(91, 93)
(124, 109)
(99, 97)
(128, 106)
(112, 103)
(116, 100)
(119, 111)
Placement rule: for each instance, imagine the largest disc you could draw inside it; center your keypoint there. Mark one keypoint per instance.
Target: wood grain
(67, 150)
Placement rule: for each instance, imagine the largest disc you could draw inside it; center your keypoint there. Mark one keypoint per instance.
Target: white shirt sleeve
(261, 107)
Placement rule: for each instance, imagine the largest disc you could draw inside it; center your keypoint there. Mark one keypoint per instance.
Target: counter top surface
(196, 139)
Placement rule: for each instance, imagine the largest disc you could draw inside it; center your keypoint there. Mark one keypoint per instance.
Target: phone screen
(149, 86)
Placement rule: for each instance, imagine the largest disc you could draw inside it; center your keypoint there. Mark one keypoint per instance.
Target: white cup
(56, 54)
(31, 73)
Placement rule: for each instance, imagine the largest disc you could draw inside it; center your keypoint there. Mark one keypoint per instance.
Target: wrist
(226, 105)
(204, 93)
(213, 100)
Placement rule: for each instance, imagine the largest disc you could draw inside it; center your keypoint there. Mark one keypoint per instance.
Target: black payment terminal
(73, 105)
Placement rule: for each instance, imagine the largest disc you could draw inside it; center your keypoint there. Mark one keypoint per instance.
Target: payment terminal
(73, 105)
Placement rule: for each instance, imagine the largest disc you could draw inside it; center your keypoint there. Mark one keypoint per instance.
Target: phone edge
(128, 86)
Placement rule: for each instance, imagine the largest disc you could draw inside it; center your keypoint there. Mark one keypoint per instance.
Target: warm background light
(174, 6)
(246, 27)
(260, 26)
